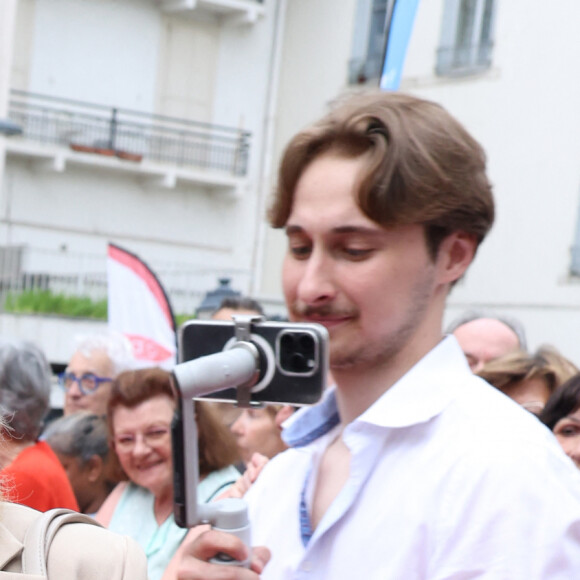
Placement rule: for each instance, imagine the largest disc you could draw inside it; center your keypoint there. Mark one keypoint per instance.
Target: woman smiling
(140, 411)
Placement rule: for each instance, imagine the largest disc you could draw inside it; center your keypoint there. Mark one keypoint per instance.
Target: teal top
(134, 517)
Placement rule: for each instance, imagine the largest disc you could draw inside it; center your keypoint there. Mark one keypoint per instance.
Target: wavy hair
(422, 166)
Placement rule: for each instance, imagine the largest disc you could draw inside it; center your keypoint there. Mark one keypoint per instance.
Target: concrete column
(7, 24)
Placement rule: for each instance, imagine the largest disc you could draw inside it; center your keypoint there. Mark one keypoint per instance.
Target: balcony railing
(130, 135)
(84, 275)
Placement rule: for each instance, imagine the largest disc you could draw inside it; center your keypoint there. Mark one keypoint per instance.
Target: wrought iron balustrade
(129, 134)
(28, 269)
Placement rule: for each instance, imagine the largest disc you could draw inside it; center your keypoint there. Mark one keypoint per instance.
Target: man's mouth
(324, 315)
(329, 321)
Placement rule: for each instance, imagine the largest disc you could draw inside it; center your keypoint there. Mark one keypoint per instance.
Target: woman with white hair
(30, 472)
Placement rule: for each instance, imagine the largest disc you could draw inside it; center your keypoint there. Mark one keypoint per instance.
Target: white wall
(187, 67)
(82, 209)
(100, 51)
(23, 43)
(243, 92)
(54, 334)
(314, 70)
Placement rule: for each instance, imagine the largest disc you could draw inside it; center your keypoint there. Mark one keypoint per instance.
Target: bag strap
(40, 534)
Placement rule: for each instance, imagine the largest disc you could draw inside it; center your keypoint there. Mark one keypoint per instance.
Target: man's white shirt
(449, 479)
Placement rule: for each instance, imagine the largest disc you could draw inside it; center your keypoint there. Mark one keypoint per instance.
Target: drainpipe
(268, 146)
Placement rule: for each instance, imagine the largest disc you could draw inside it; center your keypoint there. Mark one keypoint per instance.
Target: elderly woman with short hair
(140, 411)
(81, 442)
(30, 472)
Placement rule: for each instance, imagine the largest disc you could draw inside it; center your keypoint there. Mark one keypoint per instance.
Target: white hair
(115, 345)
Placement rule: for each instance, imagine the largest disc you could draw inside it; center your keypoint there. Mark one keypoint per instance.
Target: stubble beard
(383, 351)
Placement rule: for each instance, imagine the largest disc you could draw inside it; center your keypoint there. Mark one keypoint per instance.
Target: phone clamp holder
(243, 335)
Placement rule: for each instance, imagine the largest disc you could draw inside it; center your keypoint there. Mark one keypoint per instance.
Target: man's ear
(456, 253)
(283, 414)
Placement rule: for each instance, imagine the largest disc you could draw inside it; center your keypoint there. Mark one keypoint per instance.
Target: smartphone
(293, 357)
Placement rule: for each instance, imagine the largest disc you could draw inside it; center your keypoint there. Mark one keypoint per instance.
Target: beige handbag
(39, 537)
(41, 546)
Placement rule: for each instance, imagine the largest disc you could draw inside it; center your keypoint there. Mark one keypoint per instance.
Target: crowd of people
(432, 455)
(109, 454)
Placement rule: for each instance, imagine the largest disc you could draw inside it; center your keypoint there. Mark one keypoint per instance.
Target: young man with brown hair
(411, 468)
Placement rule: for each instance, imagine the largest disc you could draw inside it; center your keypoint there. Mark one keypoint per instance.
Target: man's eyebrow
(293, 230)
(570, 418)
(365, 230)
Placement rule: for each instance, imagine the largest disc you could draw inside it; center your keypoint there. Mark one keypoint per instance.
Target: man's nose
(74, 390)
(316, 284)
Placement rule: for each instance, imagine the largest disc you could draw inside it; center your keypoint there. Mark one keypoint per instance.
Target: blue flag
(398, 34)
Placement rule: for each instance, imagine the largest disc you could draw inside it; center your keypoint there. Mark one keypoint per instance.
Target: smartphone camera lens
(298, 363)
(297, 353)
(306, 343)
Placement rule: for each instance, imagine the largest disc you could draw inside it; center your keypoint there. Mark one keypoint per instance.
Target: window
(466, 37)
(369, 40)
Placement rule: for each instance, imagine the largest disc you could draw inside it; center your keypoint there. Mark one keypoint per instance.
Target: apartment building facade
(263, 70)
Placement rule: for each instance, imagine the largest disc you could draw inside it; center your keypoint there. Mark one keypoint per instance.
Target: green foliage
(181, 318)
(46, 302)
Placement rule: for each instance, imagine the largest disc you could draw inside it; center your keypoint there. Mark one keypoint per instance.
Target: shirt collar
(421, 394)
(311, 423)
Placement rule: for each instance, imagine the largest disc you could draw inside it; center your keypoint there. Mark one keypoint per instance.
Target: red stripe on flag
(140, 269)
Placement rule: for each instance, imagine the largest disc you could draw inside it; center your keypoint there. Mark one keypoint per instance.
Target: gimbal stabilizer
(237, 367)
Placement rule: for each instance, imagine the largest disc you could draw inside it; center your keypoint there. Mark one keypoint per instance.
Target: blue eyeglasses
(88, 383)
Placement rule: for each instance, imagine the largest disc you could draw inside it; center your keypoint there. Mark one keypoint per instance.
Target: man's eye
(300, 251)
(357, 253)
(568, 431)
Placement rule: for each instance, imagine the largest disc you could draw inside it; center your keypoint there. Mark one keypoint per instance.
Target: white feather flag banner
(139, 308)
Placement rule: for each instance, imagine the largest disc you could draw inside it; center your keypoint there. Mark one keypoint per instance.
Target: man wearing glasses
(97, 360)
